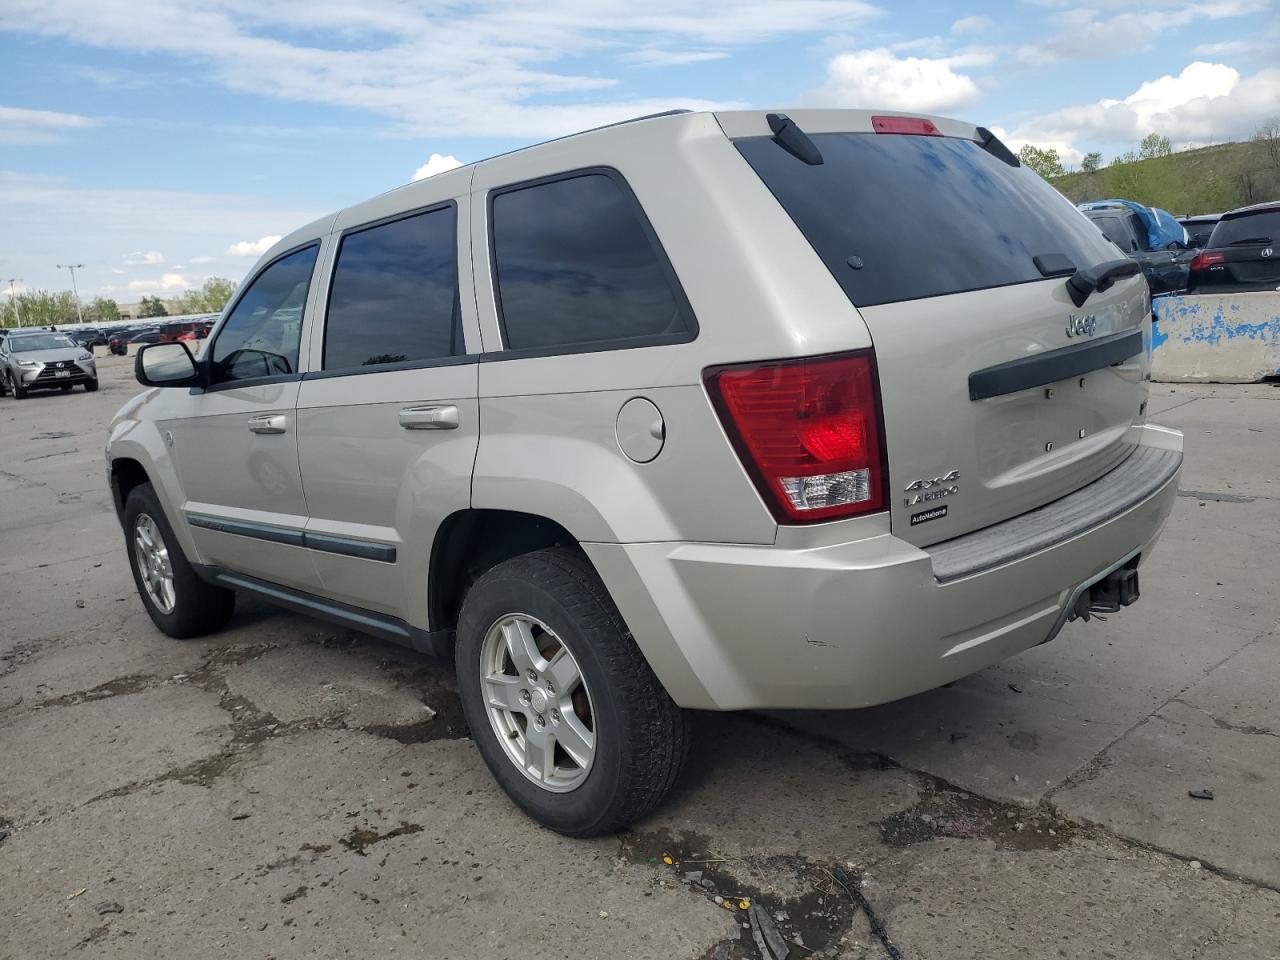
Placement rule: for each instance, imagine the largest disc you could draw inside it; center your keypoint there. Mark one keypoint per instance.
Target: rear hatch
(1249, 245)
(999, 394)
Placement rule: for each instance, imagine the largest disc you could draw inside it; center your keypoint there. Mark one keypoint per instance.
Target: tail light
(1203, 261)
(808, 431)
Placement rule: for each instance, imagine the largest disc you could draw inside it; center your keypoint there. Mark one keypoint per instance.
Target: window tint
(575, 265)
(261, 336)
(925, 216)
(1263, 226)
(395, 293)
(1117, 231)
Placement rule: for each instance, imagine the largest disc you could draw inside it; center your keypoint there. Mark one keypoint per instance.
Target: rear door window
(394, 297)
(576, 264)
(1117, 230)
(903, 217)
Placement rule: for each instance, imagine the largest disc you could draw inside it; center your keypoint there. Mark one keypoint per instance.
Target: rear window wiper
(1084, 282)
(1236, 243)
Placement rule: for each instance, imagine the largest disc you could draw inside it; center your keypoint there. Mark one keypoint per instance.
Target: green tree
(1153, 145)
(151, 307)
(1043, 160)
(210, 298)
(102, 308)
(1091, 162)
(39, 308)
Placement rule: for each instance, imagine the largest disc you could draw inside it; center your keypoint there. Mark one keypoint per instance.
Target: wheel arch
(126, 474)
(472, 541)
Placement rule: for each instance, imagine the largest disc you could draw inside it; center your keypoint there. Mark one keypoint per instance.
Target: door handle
(271, 423)
(443, 417)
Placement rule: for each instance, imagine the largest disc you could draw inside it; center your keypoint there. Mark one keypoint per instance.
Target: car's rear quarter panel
(754, 299)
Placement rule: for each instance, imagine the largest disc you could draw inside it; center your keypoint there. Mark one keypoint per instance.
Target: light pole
(73, 267)
(14, 299)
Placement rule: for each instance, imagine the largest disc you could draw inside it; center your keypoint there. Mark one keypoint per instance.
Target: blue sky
(163, 141)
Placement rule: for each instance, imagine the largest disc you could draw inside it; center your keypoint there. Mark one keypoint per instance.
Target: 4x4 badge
(932, 488)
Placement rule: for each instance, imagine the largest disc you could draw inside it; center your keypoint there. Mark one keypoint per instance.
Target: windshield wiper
(1236, 243)
(1084, 282)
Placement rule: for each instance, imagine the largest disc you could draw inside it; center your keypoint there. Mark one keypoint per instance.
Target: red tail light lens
(809, 433)
(1203, 261)
(908, 125)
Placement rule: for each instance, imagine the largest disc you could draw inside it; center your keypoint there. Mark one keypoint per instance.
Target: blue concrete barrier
(1216, 338)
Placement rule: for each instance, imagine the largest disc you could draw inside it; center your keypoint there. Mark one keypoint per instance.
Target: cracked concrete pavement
(289, 789)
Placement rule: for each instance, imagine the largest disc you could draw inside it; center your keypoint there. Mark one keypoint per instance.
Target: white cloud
(972, 24)
(168, 282)
(671, 58)
(19, 125)
(1205, 103)
(1079, 33)
(436, 163)
(143, 258)
(446, 68)
(252, 248)
(203, 259)
(878, 78)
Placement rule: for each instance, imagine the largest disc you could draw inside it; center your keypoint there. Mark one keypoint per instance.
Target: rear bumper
(854, 624)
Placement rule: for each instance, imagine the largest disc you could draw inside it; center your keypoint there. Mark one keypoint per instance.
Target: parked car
(1198, 228)
(44, 361)
(1149, 235)
(1243, 253)
(701, 428)
(88, 337)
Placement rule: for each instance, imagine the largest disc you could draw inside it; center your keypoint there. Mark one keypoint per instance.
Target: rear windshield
(1260, 227)
(923, 216)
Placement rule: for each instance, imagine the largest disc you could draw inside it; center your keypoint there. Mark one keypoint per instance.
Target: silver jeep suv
(702, 411)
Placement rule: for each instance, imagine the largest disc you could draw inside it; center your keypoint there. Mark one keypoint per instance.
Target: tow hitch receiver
(1117, 589)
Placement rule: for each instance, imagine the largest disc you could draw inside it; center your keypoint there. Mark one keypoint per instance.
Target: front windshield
(42, 341)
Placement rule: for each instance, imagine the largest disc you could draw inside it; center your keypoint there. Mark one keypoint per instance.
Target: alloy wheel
(154, 566)
(538, 702)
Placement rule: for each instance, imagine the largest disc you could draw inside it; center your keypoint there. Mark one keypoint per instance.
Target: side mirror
(165, 365)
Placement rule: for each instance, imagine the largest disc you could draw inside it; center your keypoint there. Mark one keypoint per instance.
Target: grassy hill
(1207, 180)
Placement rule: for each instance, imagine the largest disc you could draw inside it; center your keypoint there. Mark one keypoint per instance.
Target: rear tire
(636, 739)
(180, 604)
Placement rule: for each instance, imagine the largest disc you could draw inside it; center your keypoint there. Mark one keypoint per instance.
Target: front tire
(19, 391)
(562, 705)
(91, 386)
(178, 601)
